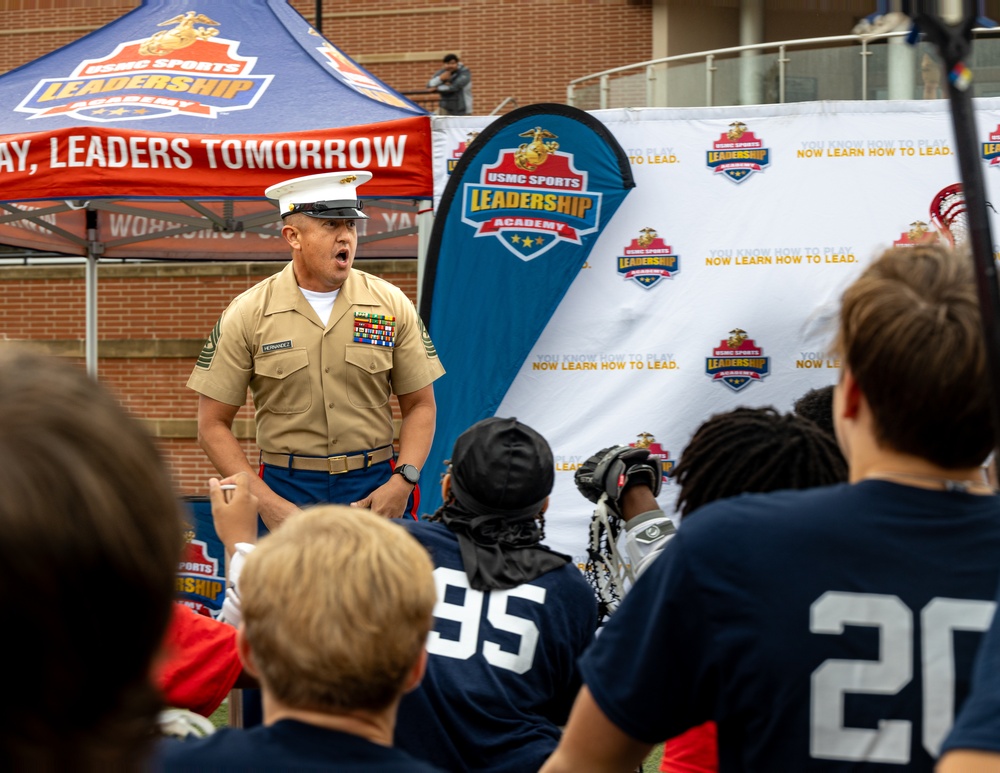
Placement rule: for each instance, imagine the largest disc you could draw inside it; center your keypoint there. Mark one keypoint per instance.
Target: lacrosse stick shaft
(954, 43)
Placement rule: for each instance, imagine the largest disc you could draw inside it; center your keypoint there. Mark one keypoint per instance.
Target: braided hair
(755, 450)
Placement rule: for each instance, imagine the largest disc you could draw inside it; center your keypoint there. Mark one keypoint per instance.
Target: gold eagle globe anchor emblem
(643, 440)
(181, 36)
(531, 155)
(920, 233)
(736, 130)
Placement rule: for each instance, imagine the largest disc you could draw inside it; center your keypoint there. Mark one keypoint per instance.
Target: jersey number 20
(890, 742)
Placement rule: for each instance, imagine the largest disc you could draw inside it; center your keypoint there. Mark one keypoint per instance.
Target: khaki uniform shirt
(317, 390)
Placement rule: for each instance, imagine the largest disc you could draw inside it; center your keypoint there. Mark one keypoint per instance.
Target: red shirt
(200, 663)
(696, 751)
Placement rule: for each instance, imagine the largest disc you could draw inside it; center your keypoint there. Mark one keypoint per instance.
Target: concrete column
(901, 64)
(661, 14)
(751, 31)
(902, 69)
(950, 10)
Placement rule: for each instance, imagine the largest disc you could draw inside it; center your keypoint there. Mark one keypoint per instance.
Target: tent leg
(90, 340)
(425, 222)
(94, 250)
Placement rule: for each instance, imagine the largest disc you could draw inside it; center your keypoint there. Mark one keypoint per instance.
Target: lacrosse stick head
(949, 215)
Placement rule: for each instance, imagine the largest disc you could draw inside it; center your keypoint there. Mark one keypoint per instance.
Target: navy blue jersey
(285, 745)
(978, 724)
(829, 629)
(502, 672)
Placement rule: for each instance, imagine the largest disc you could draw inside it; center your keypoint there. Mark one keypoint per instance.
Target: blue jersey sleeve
(978, 724)
(650, 669)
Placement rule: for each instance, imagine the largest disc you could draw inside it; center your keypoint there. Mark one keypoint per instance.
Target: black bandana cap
(503, 467)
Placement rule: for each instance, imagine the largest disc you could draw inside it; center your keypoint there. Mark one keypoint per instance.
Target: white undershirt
(322, 303)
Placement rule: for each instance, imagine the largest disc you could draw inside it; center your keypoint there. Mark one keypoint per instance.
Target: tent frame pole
(954, 46)
(425, 222)
(94, 250)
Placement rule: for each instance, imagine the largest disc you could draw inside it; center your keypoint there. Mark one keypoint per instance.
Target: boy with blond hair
(337, 605)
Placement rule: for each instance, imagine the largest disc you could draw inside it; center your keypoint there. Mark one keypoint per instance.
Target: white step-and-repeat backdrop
(716, 284)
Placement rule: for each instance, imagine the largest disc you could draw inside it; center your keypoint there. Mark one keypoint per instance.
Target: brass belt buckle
(341, 460)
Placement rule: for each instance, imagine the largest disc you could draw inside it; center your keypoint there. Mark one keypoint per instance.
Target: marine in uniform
(321, 346)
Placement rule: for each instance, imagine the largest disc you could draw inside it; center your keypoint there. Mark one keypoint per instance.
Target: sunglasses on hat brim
(350, 209)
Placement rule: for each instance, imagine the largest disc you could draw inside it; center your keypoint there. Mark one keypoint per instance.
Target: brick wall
(515, 48)
(152, 322)
(32, 28)
(526, 49)
(153, 319)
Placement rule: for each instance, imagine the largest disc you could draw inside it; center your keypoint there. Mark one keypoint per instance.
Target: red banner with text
(87, 162)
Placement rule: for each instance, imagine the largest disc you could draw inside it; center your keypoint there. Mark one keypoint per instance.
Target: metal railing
(428, 99)
(506, 101)
(860, 67)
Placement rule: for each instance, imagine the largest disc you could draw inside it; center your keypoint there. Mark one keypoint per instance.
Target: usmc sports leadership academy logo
(532, 198)
(738, 153)
(737, 361)
(647, 441)
(648, 259)
(199, 582)
(991, 148)
(185, 70)
(456, 154)
(353, 76)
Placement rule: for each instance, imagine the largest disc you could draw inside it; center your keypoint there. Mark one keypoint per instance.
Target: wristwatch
(410, 473)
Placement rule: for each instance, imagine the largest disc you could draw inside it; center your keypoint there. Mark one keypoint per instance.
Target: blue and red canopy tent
(156, 134)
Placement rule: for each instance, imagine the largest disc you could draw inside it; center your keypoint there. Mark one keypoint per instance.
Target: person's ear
(291, 235)
(446, 487)
(245, 653)
(416, 675)
(851, 395)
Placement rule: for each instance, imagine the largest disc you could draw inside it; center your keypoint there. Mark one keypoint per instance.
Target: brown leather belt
(335, 465)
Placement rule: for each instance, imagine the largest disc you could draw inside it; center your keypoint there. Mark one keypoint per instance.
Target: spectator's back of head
(91, 540)
(910, 333)
(337, 605)
(495, 496)
(753, 450)
(502, 467)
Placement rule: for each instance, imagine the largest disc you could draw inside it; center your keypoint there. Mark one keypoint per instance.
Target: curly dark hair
(817, 406)
(755, 450)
